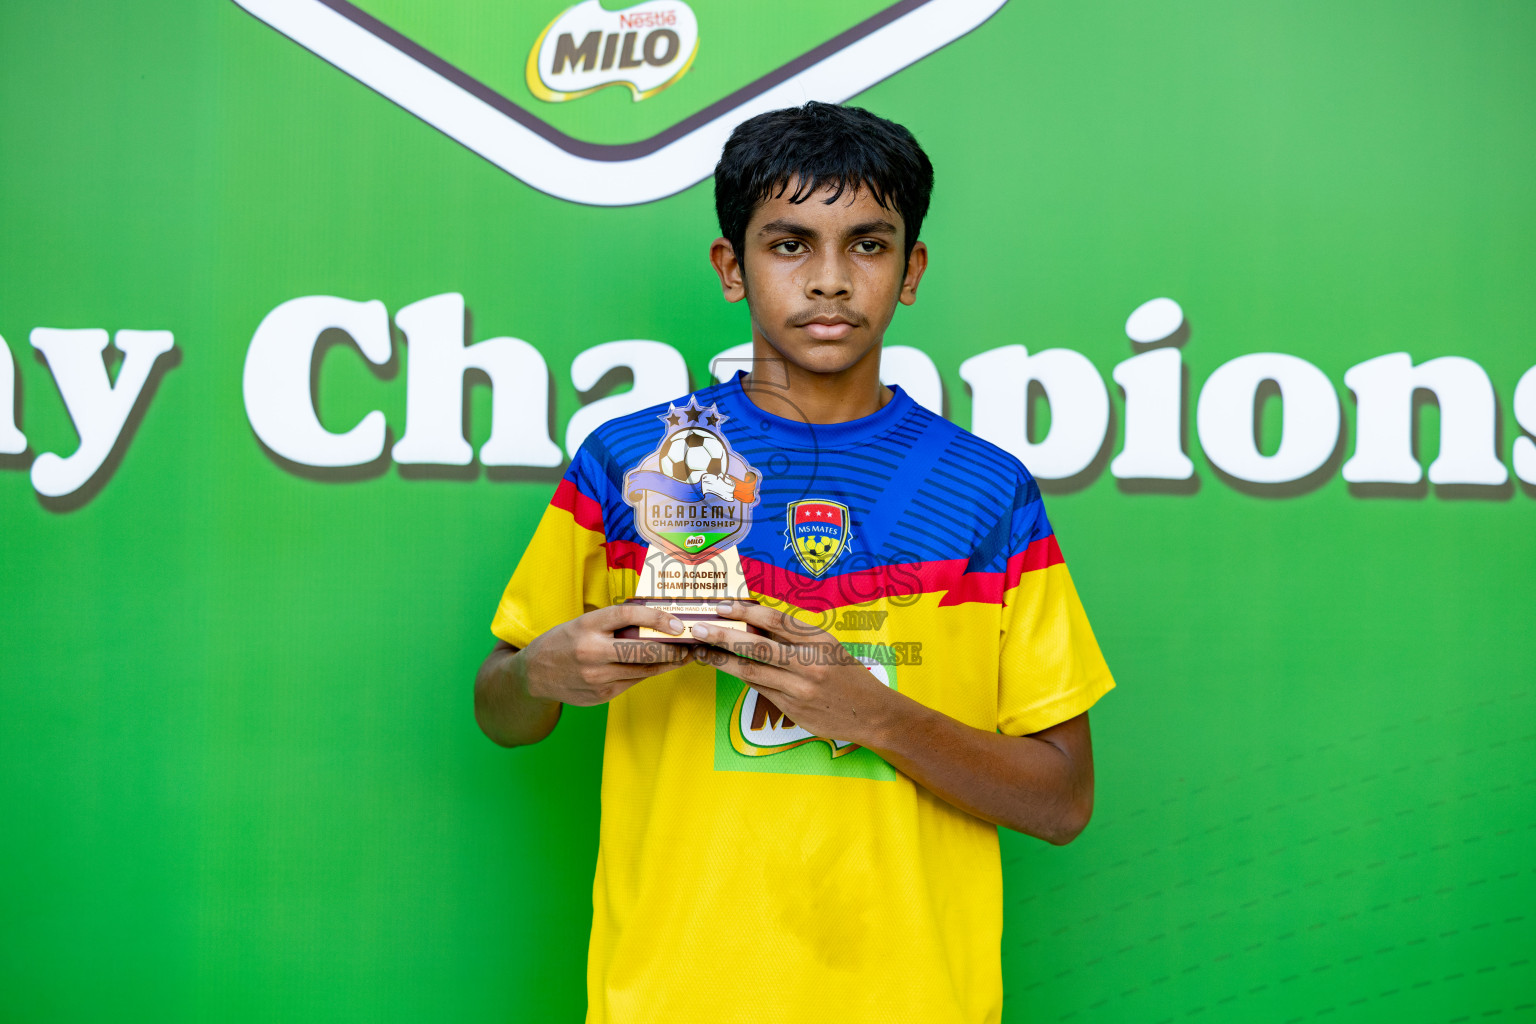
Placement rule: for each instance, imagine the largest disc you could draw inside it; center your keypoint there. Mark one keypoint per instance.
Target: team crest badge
(819, 532)
(693, 496)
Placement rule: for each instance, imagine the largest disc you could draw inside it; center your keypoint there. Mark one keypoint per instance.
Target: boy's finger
(766, 679)
(779, 624)
(647, 652)
(628, 613)
(743, 644)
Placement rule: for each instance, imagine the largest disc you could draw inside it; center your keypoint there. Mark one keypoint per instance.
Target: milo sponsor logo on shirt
(753, 735)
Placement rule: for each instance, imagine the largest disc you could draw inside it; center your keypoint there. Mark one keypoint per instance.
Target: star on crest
(693, 412)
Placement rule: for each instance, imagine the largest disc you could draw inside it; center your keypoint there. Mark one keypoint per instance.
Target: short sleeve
(563, 571)
(1050, 666)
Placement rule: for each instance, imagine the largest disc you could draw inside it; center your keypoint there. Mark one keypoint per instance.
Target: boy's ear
(722, 255)
(916, 264)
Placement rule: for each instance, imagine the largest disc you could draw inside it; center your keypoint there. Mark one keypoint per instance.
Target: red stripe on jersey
(947, 577)
(587, 513)
(626, 554)
(1041, 554)
(991, 586)
(848, 588)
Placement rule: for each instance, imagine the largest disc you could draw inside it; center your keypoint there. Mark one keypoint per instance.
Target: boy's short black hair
(816, 146)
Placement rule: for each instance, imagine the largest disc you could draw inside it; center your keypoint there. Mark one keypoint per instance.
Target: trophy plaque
(693, 499)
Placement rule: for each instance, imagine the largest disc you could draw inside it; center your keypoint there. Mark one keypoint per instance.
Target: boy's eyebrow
(787, 227)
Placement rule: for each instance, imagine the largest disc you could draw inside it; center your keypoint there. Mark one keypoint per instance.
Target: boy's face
(821, 280)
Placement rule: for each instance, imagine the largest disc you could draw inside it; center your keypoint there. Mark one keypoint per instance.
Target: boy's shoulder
(994, 473)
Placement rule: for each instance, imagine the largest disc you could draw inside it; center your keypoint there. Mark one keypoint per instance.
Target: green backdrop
(241, 775)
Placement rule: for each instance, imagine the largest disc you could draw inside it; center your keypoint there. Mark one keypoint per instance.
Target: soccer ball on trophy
(691, 454)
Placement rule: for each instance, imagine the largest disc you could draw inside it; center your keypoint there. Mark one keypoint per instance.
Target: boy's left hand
(804, 670)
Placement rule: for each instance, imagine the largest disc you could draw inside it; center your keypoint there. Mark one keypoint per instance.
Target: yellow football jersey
(748, 870)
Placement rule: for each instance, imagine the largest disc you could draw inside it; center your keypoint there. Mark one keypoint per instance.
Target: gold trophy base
(690, 613)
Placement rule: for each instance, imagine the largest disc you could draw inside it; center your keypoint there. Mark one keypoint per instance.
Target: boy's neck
(778, 386)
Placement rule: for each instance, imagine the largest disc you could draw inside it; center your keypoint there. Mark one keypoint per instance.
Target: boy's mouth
(827, 326)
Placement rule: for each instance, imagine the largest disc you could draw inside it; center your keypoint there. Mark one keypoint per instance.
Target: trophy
(693, 499)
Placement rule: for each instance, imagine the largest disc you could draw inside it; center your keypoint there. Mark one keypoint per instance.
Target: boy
(810, 830)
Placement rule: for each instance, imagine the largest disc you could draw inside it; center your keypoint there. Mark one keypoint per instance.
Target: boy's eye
(790, 246)
(867, 246)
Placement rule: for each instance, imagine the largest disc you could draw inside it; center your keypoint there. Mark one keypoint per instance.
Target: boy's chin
(826, 358)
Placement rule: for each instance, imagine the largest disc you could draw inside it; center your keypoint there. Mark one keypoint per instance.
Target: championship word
(280, 362)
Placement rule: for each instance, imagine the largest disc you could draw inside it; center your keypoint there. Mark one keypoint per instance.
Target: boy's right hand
(582, 663)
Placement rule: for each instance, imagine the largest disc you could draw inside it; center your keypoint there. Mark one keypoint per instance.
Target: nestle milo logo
(517, 113)
(752, 734)
(586, 48)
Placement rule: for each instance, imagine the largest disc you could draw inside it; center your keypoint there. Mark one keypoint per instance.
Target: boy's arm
(1040, 784)
(519, 693)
